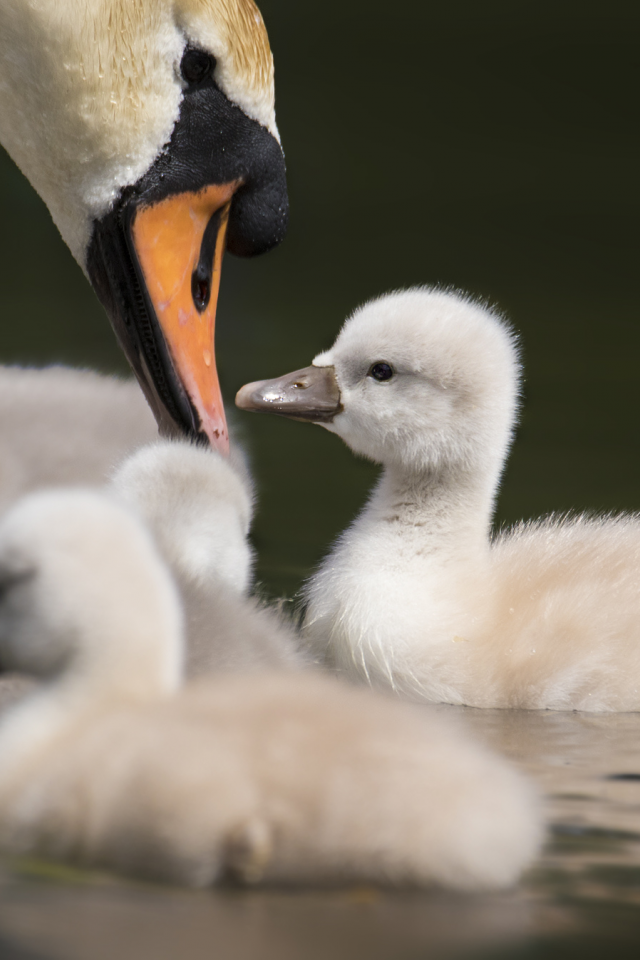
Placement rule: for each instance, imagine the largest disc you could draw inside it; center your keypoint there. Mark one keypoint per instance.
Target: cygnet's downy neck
(446, 512)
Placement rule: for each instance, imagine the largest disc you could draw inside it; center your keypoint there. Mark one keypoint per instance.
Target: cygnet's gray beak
(310, 394)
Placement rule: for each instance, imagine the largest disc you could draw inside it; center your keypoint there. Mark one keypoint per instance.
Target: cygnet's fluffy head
(82, 587)
(428, 380)
(198, 504)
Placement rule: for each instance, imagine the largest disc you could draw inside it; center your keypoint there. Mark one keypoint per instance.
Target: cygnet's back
(279, 777)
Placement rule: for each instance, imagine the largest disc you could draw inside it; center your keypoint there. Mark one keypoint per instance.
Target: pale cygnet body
(273, 777)
(415, 595)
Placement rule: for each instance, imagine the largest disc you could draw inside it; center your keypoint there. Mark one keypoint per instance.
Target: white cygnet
(416, 595)
(198, 504)
(289, 777)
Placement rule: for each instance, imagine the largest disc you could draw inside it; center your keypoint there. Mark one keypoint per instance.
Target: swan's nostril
(202, 275)
(301, 384)
(200, 291)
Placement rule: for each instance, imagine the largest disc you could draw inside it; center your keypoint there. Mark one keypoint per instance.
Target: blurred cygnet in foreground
(198, 504)
(288, 777)
(415, 595)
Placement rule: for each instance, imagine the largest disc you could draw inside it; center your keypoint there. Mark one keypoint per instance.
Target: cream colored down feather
(272, 777)
(90, 90)
(415, 595)
(198, 505)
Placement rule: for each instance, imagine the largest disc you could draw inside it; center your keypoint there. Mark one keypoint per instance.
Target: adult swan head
(148, 128)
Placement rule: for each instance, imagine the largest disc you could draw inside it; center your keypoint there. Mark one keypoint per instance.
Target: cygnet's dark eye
(381, 371)
(196, 65)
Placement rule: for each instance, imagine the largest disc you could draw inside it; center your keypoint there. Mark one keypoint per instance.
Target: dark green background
(488, 145)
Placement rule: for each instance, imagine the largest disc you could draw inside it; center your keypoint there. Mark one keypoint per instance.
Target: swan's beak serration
(310, 394)
(155, 258)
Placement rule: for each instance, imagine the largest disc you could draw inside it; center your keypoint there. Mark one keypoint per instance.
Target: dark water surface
(486, 145)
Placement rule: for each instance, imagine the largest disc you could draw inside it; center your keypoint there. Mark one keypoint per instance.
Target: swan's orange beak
(179, 243)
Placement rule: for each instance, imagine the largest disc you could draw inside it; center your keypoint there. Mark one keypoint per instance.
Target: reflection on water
(588, 767)
(582, 898)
